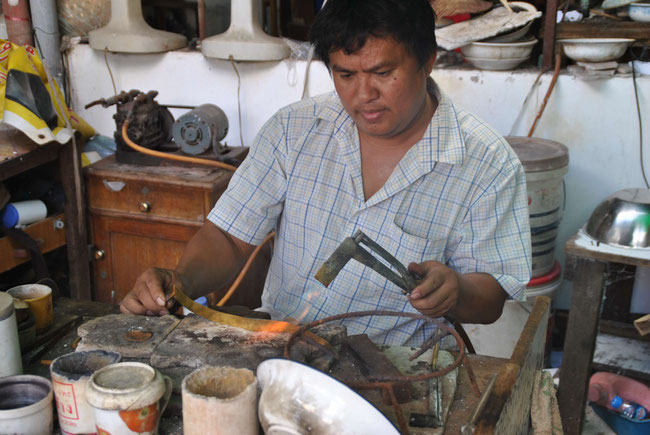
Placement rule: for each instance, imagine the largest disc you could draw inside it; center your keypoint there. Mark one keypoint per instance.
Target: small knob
(99, 254)
(144, 207)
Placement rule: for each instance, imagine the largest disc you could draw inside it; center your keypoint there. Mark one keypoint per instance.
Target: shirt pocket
(409, 248)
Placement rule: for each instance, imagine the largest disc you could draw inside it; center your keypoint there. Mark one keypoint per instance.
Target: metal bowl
(622, 219)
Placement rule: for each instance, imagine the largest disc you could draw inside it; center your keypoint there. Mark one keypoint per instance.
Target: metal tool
(435, 388)
(351, 248)
(470, 427)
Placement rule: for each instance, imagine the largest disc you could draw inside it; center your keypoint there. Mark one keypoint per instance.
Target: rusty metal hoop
(386, 383)
(446, 328)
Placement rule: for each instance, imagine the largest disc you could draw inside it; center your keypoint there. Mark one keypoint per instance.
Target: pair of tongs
(351, 248)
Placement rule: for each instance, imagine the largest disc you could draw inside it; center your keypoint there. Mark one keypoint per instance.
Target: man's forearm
(480, 299)
(210, 260)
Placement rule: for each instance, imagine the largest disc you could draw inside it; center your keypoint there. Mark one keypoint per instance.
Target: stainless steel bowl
(622, 219)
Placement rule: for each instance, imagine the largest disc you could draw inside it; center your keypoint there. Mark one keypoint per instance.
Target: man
(387, 153)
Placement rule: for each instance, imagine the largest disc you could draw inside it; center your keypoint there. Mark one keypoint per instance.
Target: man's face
(382, 87)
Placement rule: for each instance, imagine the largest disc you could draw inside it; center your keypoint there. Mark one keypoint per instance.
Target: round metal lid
(539, 154)
(6, 305)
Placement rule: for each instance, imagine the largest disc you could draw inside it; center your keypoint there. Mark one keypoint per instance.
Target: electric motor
(201, 128)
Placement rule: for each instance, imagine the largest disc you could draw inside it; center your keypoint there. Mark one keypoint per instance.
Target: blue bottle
(629, 409)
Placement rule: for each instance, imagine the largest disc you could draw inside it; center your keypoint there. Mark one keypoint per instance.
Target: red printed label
(66, 403)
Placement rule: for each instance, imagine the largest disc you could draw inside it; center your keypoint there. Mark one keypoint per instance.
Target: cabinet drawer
(149, 198)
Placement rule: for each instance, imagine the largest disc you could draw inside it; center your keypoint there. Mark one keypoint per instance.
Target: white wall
(596, 120)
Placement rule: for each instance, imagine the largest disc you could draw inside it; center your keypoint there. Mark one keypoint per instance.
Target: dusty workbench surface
(70, 314)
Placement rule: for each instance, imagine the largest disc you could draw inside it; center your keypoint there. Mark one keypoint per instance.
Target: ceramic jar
(128, 398)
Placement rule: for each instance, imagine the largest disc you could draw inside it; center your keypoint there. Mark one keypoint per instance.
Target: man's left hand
(438, 291)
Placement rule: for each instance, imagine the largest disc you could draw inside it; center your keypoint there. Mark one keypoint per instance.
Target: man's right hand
(148, 294)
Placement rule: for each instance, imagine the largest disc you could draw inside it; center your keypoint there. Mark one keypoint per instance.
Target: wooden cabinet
(142, 216)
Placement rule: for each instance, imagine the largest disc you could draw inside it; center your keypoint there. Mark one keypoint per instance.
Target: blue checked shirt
(458, 197)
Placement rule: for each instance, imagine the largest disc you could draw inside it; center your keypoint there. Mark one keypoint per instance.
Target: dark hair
(347, 24)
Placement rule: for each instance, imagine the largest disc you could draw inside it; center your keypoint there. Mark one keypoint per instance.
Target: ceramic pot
(128, 398)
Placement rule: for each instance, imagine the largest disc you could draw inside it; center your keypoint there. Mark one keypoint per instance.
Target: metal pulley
(201, 128)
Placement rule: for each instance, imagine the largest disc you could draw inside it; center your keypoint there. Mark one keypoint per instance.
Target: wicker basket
(78, 17)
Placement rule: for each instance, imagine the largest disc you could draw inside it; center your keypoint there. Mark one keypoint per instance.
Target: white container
(128, 398)
(26, 405)
(640, 303)
(220, 400)
(11, 360)
(499, 339)
(70, 374)
(545, 163)
(19, 214)
(545, 285)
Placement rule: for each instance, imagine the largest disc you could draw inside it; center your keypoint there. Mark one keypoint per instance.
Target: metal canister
(10, 361)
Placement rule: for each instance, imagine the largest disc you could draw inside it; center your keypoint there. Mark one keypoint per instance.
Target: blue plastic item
(9, 216)
(629, 409)
(621, 424)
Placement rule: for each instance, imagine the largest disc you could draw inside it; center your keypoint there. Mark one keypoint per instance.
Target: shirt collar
(442, 142)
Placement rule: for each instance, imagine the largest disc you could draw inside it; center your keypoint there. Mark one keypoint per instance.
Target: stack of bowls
(498, 56)
(504, 51)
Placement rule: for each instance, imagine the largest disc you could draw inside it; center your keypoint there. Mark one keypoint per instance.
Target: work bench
(507, 409)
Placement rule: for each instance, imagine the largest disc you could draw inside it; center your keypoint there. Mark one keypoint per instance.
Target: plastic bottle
(603, 387)
(629, 409)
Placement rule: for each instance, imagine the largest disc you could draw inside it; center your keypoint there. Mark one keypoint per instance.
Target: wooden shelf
(613, 29)
(74, 233)
(44, 232)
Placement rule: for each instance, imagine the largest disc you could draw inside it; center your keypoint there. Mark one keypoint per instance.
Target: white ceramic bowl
(297, 399)
(496, 64)
(498, 50)
(595, 49)
(640, 12)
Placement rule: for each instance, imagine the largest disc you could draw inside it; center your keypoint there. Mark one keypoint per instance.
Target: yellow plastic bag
(28, 100)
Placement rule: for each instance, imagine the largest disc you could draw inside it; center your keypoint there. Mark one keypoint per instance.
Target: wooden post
(75, 218)
(548, 49)
(580, 342)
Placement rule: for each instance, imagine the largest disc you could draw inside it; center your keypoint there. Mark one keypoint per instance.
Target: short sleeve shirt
(458, 196)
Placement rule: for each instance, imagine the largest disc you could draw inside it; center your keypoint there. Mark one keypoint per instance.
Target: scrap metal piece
(374, 364)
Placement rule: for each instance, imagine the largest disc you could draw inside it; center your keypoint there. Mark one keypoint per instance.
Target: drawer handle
(144, 207)
(99, 254)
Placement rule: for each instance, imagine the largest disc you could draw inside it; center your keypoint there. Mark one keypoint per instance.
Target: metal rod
(200, 13)
(469, 428)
